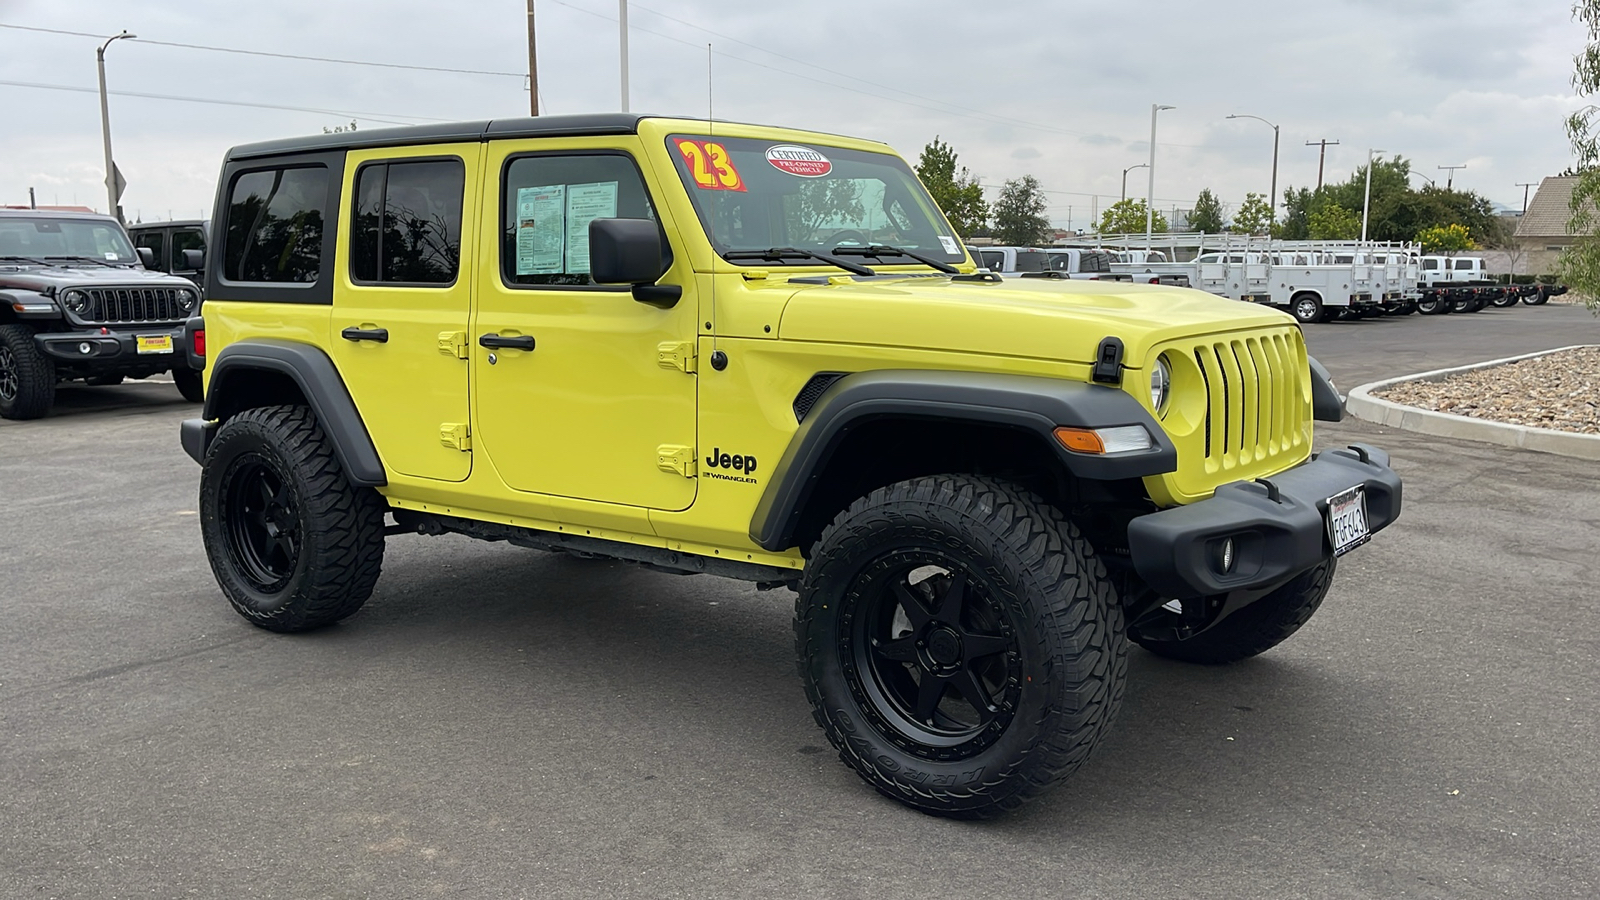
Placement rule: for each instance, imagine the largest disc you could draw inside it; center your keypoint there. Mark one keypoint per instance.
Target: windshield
(51, 237)
(760, 194)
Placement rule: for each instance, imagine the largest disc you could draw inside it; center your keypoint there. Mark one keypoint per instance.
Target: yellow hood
(1023, 317)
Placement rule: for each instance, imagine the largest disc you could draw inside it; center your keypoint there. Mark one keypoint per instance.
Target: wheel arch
(266, 372)
(876, 428)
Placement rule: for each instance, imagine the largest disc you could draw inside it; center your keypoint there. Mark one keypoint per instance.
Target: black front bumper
(1277, 526)
(113, 348)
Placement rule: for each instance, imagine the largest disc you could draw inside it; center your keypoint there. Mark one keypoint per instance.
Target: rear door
(402, 298)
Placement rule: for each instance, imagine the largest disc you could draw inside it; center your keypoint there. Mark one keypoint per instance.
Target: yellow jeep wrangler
(762, 354)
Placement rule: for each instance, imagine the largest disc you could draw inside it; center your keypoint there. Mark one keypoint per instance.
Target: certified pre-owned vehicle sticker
(802, 161)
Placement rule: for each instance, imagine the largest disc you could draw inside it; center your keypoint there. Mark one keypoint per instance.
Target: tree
(1502, 236)
(1207, 215)
(1444, 239)
(1332, 222)
(1019, 218)
(1579, 265)
(1127, 217)
(1254, 215)
(1296, 214)
(956, 191)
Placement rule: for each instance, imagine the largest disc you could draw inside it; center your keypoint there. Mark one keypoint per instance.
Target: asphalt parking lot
(499, 723)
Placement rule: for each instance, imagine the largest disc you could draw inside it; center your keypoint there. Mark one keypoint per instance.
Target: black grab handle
(380, 335)
(496, 342)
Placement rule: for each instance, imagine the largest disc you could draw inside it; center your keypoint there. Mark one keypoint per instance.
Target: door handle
(496, 342)
(378, 335)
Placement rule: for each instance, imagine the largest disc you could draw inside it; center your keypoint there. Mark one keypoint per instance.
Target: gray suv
(76, 301)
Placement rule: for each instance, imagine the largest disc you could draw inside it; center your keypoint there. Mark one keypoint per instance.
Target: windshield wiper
(27, 259)
(778, 254)
(882, 250)
(98, 262)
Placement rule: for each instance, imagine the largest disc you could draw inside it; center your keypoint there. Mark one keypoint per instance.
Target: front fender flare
(1026, 402)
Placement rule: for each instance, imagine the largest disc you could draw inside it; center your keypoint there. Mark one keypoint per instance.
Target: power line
(323, 59)
(385, 118)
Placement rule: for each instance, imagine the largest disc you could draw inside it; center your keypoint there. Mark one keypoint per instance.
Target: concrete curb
(1363, 405)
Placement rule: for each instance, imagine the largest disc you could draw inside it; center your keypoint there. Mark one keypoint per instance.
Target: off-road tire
(1255, 629)
(27, 377)
(190, 385)
(1030, 575)
(274, 465)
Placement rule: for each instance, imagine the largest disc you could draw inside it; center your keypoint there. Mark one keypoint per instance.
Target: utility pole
(1451, 179)
(1521, 184)
(1322, 156)
(622, 31)
(533, 67)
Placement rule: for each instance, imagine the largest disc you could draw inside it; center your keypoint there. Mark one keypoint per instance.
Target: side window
(546, 205)
(1430, 264)
(994, 259)
(153, 240)
(274, 227)
(406, 225)
(186, 239)
(1463, 264)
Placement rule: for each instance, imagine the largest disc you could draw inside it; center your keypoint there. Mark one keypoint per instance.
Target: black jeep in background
(76, 301)
(169, 242)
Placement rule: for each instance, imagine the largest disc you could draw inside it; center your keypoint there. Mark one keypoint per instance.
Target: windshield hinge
(676, 355)
(453, 343)
(455, 436)
(676, 458)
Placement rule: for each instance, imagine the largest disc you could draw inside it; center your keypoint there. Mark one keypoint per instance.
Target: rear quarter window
(275, 223)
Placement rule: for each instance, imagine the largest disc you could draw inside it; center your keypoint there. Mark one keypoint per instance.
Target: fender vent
(812, 392)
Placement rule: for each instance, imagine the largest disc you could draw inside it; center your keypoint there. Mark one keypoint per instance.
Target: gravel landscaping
(1560, 391)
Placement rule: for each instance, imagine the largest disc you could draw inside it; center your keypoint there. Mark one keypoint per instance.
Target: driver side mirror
(194, 259)
(629, 251)
(147, 257)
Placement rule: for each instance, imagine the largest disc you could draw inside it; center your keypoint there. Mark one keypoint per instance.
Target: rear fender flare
(319, 381)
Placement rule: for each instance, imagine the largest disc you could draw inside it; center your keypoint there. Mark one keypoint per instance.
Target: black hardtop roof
(452, 132)
(448, 132)
(51, 214)
(170, 223)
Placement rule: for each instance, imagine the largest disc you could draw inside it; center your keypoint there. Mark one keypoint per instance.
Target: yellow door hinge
(676, 458)
(676, 355)
(455, 436)
(453, 343)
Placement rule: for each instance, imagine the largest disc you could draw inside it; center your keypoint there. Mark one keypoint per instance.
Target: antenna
(712, 312)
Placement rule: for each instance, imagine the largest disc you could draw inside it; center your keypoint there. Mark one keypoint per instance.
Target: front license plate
(1347, 520)
(154, 343)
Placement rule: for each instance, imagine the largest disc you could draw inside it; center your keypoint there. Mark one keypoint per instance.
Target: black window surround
(355, 197)
(320, 291)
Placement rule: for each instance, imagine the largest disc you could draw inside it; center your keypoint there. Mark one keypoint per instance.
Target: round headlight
(186, 300)
(77, 301)
(1160, 383)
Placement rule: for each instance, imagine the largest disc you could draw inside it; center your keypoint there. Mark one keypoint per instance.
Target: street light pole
(1125, 177)
(105, 126)
(622, 30)
(1366, 202)
(1450, 180)
(1272, 196)
(1150, 186)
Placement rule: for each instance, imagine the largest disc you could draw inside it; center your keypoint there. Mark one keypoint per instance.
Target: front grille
(1254, 407)
(117, 305)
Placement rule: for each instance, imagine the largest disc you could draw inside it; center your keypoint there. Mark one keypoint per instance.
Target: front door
(401, 302)
(581, 393)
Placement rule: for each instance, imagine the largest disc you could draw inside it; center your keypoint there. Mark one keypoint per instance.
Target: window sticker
(585, 203)
(541, 229)
(949, 244)
(711, 166)
(802, 161)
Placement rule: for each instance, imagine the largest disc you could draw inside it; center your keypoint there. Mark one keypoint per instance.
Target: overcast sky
(1061, 91)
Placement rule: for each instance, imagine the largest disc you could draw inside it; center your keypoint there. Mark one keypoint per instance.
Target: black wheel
(1537, 298)
(1255, 629)
(960, 644)
(1431, 306)
(293, 544)
(103, 380)
(190, 385)
(27, 377)
(1306, 308)
(1505, 300)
